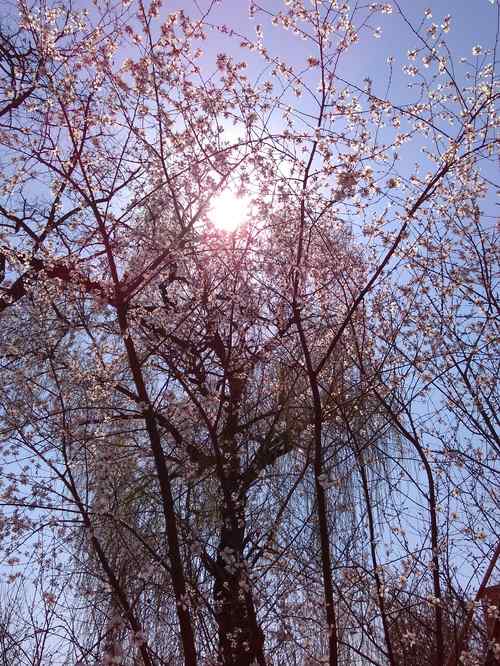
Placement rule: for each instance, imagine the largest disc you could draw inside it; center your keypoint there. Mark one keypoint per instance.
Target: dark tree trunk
(241, 640)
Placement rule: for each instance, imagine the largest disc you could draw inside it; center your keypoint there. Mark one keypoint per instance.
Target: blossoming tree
(255, 437)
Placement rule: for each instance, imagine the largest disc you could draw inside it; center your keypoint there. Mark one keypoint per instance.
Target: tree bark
(241, 640)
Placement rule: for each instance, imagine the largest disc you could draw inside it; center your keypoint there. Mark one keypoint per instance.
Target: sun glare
(228, 212)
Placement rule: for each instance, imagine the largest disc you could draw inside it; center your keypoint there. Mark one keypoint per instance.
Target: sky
(472, 22)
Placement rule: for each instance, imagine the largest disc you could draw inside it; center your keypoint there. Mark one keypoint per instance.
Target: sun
(228, 211)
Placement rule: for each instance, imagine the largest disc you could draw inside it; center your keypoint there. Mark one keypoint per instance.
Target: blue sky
(472, 22)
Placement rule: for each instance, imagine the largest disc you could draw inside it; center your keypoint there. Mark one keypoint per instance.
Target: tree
(246, 446)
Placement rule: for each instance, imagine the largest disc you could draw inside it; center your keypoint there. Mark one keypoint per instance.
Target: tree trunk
(241, 640)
